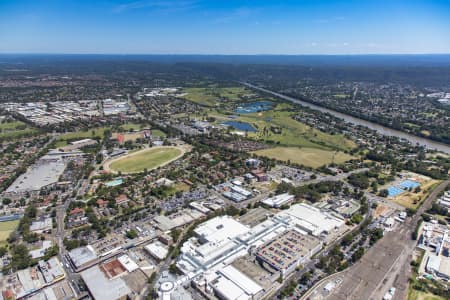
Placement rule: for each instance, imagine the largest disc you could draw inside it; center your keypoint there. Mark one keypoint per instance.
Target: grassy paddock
(414, 200)
(145, 159)
(16, 129)
(310, 157)
(210, 96)
(6, 228)
(63, 139)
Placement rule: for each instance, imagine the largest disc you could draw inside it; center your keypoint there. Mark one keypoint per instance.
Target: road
(386, 264)
(357, 121)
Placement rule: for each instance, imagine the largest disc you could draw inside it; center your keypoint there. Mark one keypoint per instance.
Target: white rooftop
(220, 229)
(101, 287)
(311, 218)
(278, 200)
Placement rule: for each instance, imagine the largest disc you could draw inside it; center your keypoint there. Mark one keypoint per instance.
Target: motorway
(386, 264)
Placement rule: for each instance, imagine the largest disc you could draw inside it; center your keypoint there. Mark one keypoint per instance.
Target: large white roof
(312, 218)
(220, 229)
(246, 284)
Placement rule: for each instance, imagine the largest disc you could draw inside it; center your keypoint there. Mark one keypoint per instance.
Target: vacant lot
(6, 228)
(311, 157)
(145, 159)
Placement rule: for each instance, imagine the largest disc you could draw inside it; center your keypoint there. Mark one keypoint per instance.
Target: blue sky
(224, 27)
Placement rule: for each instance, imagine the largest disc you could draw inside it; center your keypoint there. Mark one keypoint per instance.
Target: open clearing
(210, 96)
(278, 127)
(64, 139)
(311, 157)
(16, 129)
(149, 159)
(6, 228)
(414, 200)
(418, 295)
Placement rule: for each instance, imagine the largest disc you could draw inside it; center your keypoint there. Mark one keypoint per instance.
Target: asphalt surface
(386, 264)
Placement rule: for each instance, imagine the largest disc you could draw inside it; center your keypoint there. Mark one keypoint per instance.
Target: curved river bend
(433, 145)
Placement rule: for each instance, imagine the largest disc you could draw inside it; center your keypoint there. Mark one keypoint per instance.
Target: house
(121, 199)
(102, 203)
(76, 218)
(76, 212)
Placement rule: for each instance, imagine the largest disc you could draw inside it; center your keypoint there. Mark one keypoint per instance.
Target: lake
(241, 126)
(252, 107)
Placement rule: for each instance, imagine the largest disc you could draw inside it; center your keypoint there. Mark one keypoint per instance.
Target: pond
(252, 107)
(241, 126)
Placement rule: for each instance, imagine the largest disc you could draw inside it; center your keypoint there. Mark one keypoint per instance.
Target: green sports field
(144, 159)
(6, 228)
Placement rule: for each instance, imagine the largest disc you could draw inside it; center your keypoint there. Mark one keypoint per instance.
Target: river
(433, 145)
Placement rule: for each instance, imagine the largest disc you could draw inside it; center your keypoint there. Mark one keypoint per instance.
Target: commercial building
(185, 216)
(41, 225)
(82, 256)
(103, 288)
(281, 241)
(157, 250)
(231, 284)
(288, 251)
(311, 219)
(42, 174)
(79, 144)
(278, 200)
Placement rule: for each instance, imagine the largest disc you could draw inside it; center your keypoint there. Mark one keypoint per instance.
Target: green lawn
(145, 159)
(63, 139)
(6, 228)
(418, 295)
(311, 157)
(134, 126)
(158, 133)
(210, 96)
(16, 129)
(293, 133)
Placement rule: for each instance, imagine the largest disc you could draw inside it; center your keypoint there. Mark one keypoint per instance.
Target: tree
(131, 234)
(383, 193)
